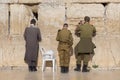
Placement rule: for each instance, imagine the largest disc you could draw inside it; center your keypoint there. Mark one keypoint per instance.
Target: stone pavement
(49, 75)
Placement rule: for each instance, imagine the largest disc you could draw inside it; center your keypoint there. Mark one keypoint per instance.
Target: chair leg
(43, 65)
(53, 65)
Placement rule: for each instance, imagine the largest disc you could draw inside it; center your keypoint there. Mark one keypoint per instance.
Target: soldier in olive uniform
(65, 39)
(85, 47)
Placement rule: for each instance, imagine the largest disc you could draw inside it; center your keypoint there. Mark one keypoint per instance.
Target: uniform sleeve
(94, 31)
(57, 37)
(77, 31)
(39, 35)
(71, 39)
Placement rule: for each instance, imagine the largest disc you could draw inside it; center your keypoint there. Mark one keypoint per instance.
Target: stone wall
(50, 16)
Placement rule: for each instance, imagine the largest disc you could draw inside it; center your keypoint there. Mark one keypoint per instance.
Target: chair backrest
(47, 54)
(42, 50)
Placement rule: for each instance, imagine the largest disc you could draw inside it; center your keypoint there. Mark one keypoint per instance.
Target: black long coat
(32, 37)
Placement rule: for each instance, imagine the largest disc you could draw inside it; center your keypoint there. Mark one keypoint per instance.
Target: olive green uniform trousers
(64, 55)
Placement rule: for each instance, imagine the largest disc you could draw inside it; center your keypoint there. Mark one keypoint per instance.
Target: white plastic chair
(48, 56)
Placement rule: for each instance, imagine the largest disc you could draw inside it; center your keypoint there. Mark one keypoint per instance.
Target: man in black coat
(32, 37)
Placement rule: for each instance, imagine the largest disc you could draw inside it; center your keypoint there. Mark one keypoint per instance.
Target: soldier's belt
(63, 43)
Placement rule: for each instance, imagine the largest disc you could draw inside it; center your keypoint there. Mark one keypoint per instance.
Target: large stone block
(113, 18)
(77, 12)
(107, 52)
(92, 1)
(8, 1)
(81, 1)
(12, 51)
(6, 52)
(18, 49)
(4, 11)
(58, 1)
(81, 10)
(51, 18)
(20, 18)
(51, 15)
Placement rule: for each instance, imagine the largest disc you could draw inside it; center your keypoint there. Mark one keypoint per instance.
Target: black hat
(33, 21)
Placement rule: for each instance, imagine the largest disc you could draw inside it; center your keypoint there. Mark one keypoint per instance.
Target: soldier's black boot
(78, 67)
(30, 68)
(34, 68)
(33, 65)
(84, 69)
(62, 69)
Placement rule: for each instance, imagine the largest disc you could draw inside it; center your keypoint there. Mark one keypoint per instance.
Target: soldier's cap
(86, 18)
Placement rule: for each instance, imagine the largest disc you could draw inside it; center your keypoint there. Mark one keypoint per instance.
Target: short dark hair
(65, 24)
(33, 21)
(87, 19)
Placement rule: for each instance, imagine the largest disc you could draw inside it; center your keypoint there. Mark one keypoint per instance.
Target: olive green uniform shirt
(85, 44)
(65, 39)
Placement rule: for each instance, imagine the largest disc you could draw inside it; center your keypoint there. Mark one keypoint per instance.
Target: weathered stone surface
(107, 52)
(51, 18)
(77, 12)
(8, 1)
(12, 51)
(81, 10)
(3, 20)
(58, 1)
(113, 18)
(19, 19)
(81, 1)
(91, 1)
(51, 15)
